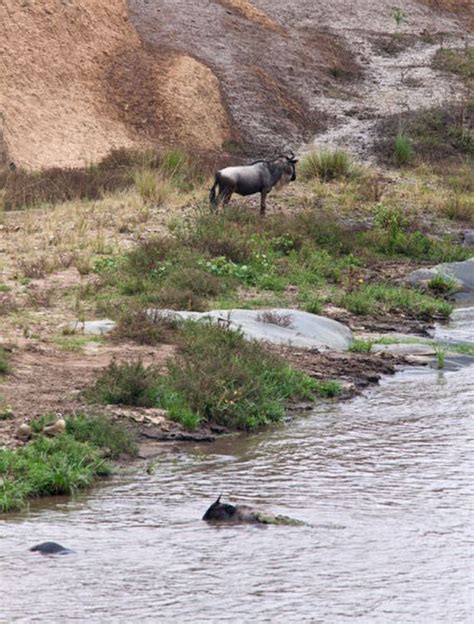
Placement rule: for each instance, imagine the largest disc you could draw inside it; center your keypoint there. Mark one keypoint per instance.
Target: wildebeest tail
(212, 194)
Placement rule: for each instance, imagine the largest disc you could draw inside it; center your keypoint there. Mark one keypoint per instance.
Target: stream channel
(384, 481)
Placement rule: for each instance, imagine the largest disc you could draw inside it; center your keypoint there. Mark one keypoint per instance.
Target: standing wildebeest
(259, 177)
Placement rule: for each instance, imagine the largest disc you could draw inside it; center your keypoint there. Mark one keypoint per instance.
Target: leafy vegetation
(47, 467)
(64, 464)
(216, 376)
(361, 346)
(128, 383)
(213, 258)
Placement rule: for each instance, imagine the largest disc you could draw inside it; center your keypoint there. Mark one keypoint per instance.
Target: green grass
(325, 165)
(442, 285)
(47, 467)
(361, 346)
(215, 258)
(75, 342)
(376, 299)
(4, 362)
(62, 465)
(440, 356)
(216, 376)
(402, 149)
(103, 432)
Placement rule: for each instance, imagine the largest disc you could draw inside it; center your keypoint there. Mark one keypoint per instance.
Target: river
(384, 481)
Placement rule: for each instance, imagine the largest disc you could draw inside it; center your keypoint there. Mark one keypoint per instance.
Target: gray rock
(302, 330)
(92, 328)
(461, 272)
(468, 238)
(404, 349)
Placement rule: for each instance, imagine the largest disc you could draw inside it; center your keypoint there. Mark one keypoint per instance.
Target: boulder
(279, 326)
(461, 272)
(91, 328)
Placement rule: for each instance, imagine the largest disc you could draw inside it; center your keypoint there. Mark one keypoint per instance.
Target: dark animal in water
(51, 548)
(259, 177)
(234, 514)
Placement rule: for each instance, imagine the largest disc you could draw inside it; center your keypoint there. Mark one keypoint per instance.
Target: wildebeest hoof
(51, 548)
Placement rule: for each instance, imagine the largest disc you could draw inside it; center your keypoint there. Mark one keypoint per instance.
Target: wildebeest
(260, 176)
(51, 548)
(235, 514)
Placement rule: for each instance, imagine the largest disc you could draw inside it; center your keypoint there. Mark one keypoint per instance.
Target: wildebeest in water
(224, 513)
(51, 548)
(259, 177)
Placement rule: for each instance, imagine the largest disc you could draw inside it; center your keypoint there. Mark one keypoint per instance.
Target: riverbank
(339, 246)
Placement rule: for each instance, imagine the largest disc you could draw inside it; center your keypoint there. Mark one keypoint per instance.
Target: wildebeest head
(288, 167)
(219, 512)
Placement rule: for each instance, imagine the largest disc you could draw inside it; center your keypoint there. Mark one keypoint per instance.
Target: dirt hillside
(76, 82)
(78, 79)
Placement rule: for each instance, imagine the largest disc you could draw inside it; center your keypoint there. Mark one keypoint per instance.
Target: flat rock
(91, 328)
(404, 349)
(292, 327)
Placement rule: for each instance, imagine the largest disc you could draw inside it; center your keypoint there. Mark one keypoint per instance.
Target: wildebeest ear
(218, 500)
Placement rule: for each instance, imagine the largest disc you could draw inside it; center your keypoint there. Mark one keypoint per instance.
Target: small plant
(153, 188)
(325, 165)
(275, 318)
(47, 467)
(129, 383)
(4, 362)
(402, 149)
(440, 284)
(137, 325)
(398, 15)
(440, 356)
(328, 389)
(314, 305)
(361, 346)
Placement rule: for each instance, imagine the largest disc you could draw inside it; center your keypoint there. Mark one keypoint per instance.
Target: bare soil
(256, 76)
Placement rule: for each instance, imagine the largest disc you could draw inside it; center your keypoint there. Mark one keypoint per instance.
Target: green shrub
(227, 380)
(136, 325)
(102, 432)
(129, 383)
(325, 164)
(402, 149)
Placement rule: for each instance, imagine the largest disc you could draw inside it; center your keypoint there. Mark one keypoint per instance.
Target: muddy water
(384, 481)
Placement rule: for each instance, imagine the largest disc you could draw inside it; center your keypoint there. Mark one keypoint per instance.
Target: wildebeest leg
(263, 205)
(227, 195)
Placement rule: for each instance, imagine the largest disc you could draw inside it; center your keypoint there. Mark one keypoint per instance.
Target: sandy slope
(72, 74)
(77, 79)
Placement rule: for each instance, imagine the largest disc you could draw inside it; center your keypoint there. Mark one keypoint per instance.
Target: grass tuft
(402, 149)
(325, 165)
(129, 383)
